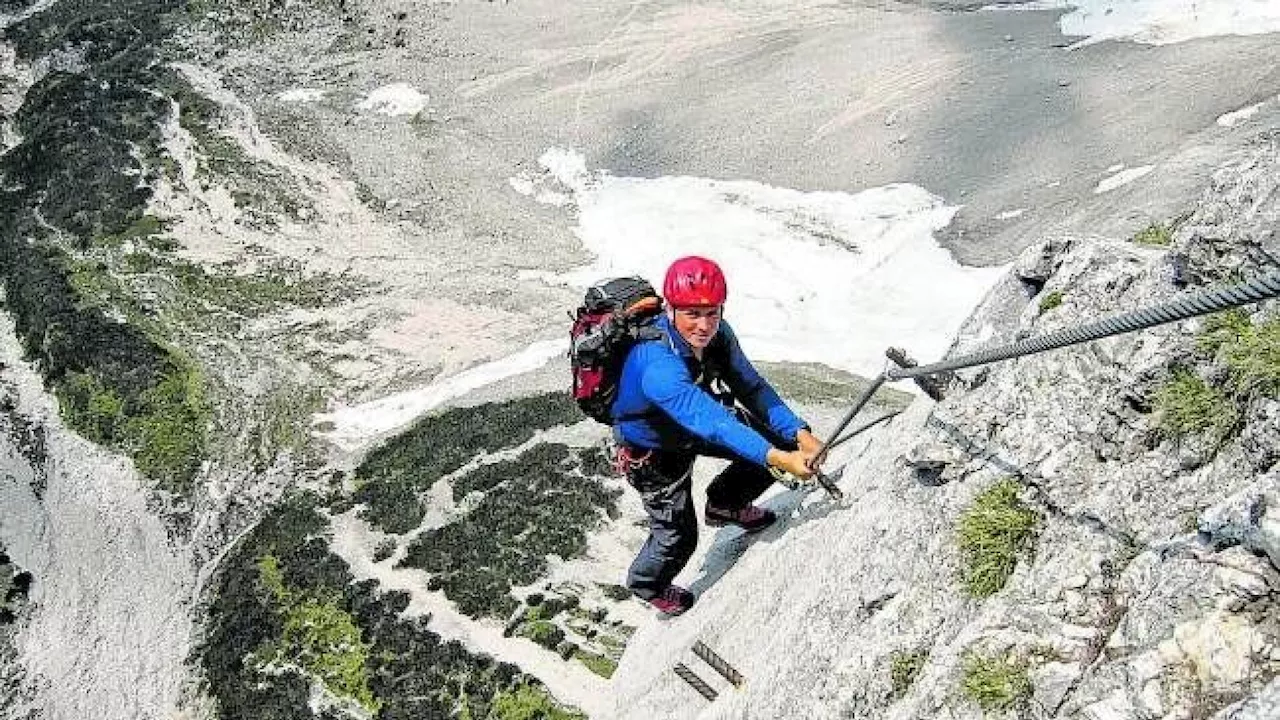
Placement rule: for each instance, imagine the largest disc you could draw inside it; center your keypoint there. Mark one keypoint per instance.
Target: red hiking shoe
(672, 601)
(750, 518)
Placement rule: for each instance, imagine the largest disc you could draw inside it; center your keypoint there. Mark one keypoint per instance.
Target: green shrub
(91, 408)
(168, 436)
(543, 632)
(318, 636)
(392, 476)
(1050, 301)
(144, 228)
(995, 683)
(1186, 404)
(904, 667)
(163, 427)
(598, 664)
(614, 591)
(534, 505)
(528, 703)
(993, 531)
(1155, 234)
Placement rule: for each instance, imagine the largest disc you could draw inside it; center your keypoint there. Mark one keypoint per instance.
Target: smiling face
(698, 324)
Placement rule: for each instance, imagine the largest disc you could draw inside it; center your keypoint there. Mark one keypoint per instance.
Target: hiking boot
(749, 518)
(672, 601)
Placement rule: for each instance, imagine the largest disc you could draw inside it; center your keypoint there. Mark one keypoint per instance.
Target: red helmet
(694, 281)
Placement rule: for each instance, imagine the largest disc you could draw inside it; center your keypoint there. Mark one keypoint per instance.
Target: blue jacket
(661, 405)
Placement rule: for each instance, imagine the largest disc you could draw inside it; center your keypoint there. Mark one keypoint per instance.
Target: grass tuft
(993, 532)
(904, 668)
(1186, 405)
(1223, 329)
(1155, 234)
(1254, 360)
(1050, 301)
(995, 683)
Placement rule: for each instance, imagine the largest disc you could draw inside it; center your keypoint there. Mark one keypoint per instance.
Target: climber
(676, 401)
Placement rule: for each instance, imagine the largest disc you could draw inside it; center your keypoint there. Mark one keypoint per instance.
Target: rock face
(1150, 589)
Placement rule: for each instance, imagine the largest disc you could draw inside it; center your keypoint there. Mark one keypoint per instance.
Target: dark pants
(665, 483)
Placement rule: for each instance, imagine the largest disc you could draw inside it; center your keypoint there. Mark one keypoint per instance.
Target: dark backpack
(614, 316)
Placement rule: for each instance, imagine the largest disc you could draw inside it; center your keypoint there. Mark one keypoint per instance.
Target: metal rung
(718, 664)
(696, 682)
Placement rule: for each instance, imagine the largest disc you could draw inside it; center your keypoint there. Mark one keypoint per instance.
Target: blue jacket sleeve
(756, 394)
(666, 383)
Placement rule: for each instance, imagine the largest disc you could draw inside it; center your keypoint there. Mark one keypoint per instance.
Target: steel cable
(1202, 303)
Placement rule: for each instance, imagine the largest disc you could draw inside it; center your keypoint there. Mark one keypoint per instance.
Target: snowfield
(1160, 22)
(827, 277)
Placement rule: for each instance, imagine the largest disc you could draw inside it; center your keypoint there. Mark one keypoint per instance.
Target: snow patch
(1011, 214)
(1115, 168)
(1159, 22)
(1236, 117)
(395, 99)
(826, 277)
(303, 95)
(352, 426)
(531, 186)
(1124, 177)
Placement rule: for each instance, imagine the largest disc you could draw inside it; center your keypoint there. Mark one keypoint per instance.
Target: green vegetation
(250, 21)
(538, 504)
(162, 426)
(993, 532)
(598, 664)
(1155, 234)
(1187, 404)
(144, 228)
(392, 477)
(1250, 355)
(67, 192)
(904, 667)
(1223, 329)
(543, 632)
(258, 189)
(286, 613)
(15, 585)
(526, 702)
(1050, 301)
(1254, 360)
(319, 637)
(996, 683)
(615, 592)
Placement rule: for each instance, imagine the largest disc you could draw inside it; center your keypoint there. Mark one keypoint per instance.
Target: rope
(1202, 303)
(718, 664)
(695, 682)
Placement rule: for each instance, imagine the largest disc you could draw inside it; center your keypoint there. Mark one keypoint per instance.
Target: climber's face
(697, 324)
